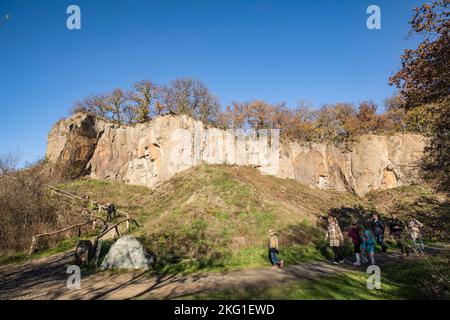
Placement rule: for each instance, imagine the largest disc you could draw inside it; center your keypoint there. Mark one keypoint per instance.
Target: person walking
(378, 230)
(110, 211)
(416, 236)
(336, 239)
(368, 243)
(273, 250)
(354, 234)
(397, 229)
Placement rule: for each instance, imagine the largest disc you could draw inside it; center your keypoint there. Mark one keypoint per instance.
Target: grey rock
(127, 253)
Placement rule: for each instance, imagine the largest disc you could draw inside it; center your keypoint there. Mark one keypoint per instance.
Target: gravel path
(46, 278)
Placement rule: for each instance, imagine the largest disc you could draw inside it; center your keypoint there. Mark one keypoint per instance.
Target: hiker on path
(354, 234)
(111, 211)
(273, 250)
(88, 208)
(368, 243)
(378, 230)
(416, 236)
(85, 201)
(336, 238)
(397, 229)
(85, 204)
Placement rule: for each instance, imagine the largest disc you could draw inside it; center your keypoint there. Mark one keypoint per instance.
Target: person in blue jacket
(368, 244)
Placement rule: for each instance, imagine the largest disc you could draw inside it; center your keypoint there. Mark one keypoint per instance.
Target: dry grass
(27, 209)
(211, 214)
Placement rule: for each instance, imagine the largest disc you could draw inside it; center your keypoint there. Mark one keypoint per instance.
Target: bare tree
(95, 103)
(117, 104)
(142, 99)
(190, 97)
(8, 163)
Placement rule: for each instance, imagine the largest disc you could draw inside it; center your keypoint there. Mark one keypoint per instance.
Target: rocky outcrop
(153, 152)
(372, 162)
(127, 253)
(72, 142)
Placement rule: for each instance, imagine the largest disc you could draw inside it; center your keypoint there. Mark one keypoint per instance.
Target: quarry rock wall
(153, 152)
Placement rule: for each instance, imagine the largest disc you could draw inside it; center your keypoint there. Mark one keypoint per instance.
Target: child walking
(354, 234)
(273, 250)
(368, 244)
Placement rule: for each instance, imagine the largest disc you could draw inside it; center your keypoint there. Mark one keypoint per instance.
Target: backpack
(111, 210)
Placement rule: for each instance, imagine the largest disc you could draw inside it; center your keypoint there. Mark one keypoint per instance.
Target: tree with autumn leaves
(333, 122)
(424, 82)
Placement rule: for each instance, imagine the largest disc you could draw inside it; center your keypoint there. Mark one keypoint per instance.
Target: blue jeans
(379, 238)
(418, 244)
(273, 256)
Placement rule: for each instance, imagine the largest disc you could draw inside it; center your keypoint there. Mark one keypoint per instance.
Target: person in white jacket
(416, 236)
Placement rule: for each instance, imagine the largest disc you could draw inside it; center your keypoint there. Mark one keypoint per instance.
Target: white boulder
(127, 253)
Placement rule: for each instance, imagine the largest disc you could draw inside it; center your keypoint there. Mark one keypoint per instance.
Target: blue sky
(317, 50)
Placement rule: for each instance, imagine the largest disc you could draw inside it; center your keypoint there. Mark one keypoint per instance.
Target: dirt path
(46, 278)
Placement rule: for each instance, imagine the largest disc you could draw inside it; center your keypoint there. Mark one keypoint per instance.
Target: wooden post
(127, 225)
(35, 238)
(98, 248)
(33, 243)
(94, 222)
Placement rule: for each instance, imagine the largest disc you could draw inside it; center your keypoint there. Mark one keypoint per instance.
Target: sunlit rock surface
(153, 152)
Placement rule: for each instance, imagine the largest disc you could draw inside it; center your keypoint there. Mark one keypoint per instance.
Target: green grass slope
(217, 217)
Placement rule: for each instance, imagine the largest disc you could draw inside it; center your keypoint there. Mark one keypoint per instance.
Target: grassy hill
(217, 217)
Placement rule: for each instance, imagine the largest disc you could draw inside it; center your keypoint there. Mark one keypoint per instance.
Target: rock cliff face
(153, 152)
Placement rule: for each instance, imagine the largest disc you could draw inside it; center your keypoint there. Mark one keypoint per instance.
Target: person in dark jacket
(110, 211)
(378, 231)
(354, 234)
(398, 229)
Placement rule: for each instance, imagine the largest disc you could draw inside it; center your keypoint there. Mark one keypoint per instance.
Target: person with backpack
(368, 242)
(336, 239)
(397, 229)
(354, 234)
(111, 211)
(378, 230)
(416, 236)
(85, 202)
(273, 250)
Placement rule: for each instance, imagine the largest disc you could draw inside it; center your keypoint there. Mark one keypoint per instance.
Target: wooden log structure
(92, 217)
(35, 238)
(115, 227)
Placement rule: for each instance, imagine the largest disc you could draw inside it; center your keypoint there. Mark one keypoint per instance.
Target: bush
(26, 207)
